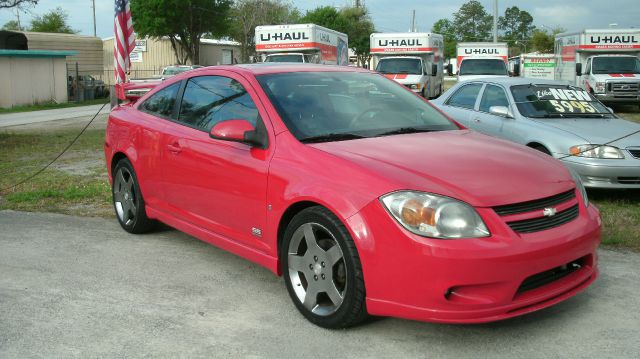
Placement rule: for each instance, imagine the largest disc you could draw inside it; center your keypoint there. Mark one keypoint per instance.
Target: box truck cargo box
(482, 59)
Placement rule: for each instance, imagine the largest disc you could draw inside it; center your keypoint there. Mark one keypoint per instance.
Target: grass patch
(620, 211)
(60, 188)
(52, 105)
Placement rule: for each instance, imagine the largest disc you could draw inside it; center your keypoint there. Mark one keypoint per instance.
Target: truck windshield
(285, 58)
(400, 66)
(616, 65)
(483, 67)
(556, 101)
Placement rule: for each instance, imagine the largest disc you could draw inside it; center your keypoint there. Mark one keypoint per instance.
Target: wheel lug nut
(322, 264)
(315, 277)
(310, 266)
(315, 258)
(323, 276)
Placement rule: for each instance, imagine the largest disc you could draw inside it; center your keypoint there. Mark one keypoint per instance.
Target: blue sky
(390, 16)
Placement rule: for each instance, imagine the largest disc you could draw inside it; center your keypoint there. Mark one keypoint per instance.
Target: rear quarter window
(162, 102)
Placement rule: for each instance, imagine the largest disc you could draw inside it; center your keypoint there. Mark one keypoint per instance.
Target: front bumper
(607, 176)
(470, 280)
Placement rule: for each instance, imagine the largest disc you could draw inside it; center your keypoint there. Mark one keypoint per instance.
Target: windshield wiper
(403, 130)
(329, 137)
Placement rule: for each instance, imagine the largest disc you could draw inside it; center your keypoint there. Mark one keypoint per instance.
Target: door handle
(477, 120)
(174, 148)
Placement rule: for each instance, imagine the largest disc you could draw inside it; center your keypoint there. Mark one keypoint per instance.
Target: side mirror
(502, 111)
(450, 70)
(578, 69)
(434, 70)
(239, 131)
(610, 109)
(516, 70)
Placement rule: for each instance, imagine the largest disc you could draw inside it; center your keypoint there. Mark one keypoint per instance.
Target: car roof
(512, 81)
(281, 67)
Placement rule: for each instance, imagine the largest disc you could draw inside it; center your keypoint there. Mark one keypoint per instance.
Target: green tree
(359, 29)
(53, 21)
(445, 28)
(328, 17)
(516, 25)
(472, 22)
(543, 40)
(12, 25)
(6, 4)
(247, 14)
(184, 22)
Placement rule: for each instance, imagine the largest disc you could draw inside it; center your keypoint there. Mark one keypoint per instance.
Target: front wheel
(127, 199)
(322, 270)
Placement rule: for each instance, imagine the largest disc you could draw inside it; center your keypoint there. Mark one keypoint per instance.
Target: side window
(465, 96)
(208, 100)
(161, 103)
(493, 96)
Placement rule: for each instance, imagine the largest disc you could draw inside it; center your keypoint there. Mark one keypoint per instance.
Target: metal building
(152, 55)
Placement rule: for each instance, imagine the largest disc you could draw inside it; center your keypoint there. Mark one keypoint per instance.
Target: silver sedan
(563, 121)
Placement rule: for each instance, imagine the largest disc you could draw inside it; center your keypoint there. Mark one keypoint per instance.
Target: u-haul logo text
(617, 39)
(481, 51)
(282, 36)
(400, 42)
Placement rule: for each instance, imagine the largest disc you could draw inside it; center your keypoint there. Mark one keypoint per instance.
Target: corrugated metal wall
(31, 80)
(89, 48)
(160, 54)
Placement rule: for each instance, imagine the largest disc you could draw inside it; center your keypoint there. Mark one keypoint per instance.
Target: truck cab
(289, 57)
(612, 77)
(410, 71)
(472, 68)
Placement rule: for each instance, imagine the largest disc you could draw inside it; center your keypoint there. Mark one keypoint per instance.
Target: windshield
(400, 66)
(482, 67)
(331, 106)
(556, 101)
(616, 65)
(285, 58)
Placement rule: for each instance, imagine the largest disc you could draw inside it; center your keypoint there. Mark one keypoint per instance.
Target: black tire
(328, 228)
(127, 199)
(542, 149)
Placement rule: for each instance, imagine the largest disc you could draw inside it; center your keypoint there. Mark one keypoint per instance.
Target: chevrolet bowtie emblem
(549, 212)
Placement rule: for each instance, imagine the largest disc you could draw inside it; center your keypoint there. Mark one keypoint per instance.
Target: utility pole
(94, 18)
(413, 21)
(495, 21)
(18, 16)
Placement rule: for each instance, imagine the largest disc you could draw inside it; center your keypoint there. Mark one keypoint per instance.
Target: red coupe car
(364, 197)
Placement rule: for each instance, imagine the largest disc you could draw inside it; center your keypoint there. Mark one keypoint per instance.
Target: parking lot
(82, 287)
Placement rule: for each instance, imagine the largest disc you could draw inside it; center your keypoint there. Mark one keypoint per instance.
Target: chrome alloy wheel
(124, 196)
(317, 269)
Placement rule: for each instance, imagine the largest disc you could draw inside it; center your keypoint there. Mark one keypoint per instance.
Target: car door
(151, 120)
(214, 184)
(485, 122)
(461, 104)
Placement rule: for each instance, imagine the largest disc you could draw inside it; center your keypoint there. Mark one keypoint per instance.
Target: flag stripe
(125, 40)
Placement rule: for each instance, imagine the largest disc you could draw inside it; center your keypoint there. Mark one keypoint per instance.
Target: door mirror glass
(231, 130)
(502, 111)
(434, 70)
(516, 70)
(450, 69)
(578, 69)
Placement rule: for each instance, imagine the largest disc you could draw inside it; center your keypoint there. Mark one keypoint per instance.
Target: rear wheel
(322, 270)
(127, 199)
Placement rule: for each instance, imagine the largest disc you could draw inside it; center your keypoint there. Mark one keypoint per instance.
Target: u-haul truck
(535, 66)
(412, 59)
(482, 59)
(602, 61)
(308, 43)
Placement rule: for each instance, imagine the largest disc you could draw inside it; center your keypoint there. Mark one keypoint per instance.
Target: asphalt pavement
(23, 118)
(75, 287)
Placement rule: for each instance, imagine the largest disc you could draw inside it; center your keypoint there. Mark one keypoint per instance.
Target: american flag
(125, 40)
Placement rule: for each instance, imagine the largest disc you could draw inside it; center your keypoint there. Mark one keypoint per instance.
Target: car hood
(622, 77)
(598, 130)
(472, 167)
(404, 78)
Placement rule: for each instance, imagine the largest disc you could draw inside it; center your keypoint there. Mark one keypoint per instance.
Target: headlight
(415, 86)
(599, 87)
(580, 186)
(596, 151)
(434, 216)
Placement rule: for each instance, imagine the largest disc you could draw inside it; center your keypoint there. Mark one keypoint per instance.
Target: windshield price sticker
(572, 106)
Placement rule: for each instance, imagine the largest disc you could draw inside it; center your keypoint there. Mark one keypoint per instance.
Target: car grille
(629, 180)
(635, 153)
(538, 204)
(542, 223)
(543, 278)
(623, 88)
